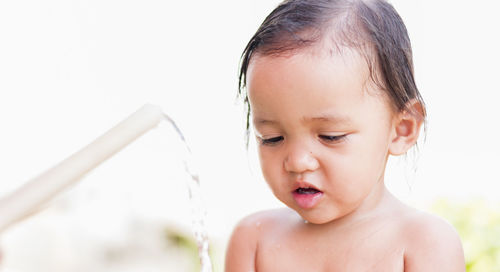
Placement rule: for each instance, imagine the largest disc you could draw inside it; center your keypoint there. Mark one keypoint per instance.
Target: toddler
(331, 94)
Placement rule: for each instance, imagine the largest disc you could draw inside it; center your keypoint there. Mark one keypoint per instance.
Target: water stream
(198, 211)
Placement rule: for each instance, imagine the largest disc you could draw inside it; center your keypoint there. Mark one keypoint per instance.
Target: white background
(70, 70)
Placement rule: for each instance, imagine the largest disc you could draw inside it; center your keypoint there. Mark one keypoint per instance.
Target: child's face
(323, 132)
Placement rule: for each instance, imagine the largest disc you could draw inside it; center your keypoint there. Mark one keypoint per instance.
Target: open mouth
(307, 197)
(306, 191)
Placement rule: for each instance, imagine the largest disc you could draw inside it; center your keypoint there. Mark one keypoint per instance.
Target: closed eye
(271, 141)
(332, 138)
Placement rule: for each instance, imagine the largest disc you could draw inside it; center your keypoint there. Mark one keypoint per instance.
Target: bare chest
(372, 252)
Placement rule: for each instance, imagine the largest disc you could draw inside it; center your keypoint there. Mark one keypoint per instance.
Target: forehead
(309, 84)
(323, 71)
(316, 63)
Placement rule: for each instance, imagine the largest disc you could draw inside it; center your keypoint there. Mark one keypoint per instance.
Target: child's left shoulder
(432, 243)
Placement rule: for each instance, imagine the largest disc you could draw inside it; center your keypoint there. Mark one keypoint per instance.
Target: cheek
(272, 172)
(357, 169)
(269, 164)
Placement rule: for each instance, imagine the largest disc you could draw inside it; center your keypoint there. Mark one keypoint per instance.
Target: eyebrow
(327, 118)
(330, 118)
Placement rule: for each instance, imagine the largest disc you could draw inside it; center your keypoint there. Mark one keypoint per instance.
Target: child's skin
(322, 123)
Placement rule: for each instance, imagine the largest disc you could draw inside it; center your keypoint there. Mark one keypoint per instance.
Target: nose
(300, 159)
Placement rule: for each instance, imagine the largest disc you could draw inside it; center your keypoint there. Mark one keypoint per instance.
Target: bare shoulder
(242, 247)
(261, 222)
(433, 244)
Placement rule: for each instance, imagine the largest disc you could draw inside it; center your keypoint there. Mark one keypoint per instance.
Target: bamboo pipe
(28, 198)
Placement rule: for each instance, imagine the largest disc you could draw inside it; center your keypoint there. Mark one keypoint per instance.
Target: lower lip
(307, 201)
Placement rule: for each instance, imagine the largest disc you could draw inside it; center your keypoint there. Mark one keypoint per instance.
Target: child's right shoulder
(253, 226)
(267, 219)
(242, 246)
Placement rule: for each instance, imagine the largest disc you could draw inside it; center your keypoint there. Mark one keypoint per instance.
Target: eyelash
(327, 138)
(271, 141)
(332, 138)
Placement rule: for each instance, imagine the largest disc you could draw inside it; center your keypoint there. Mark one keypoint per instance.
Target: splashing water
(197, 208)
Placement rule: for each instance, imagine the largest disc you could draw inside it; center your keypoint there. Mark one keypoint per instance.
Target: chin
(316, 217)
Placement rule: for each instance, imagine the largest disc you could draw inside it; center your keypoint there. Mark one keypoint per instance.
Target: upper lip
(304, 184)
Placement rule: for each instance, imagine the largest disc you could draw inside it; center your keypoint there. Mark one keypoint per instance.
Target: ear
(406, 128)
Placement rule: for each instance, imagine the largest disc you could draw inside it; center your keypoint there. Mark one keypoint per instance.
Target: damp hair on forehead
(373, 28)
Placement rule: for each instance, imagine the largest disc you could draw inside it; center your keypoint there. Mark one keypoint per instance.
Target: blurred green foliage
(478, 224)
(184, 241)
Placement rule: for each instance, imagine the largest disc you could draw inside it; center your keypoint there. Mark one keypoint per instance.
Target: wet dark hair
(371, 27)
